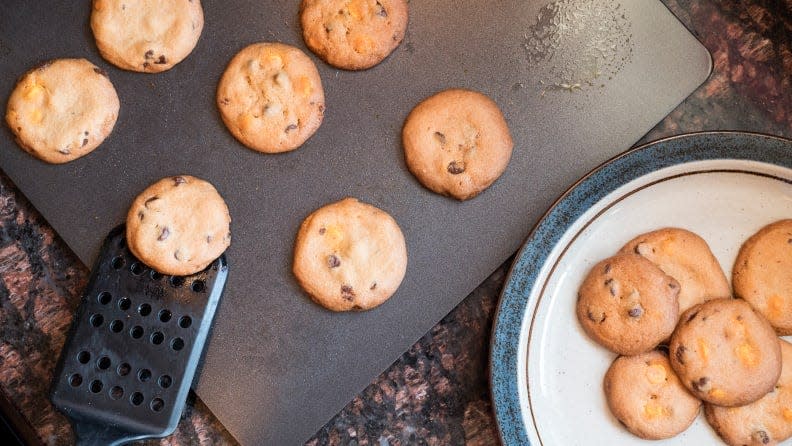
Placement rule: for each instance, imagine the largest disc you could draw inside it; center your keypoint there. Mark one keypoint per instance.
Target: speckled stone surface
(436, 393)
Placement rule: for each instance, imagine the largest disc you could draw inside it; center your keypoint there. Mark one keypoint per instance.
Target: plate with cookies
(653, 301)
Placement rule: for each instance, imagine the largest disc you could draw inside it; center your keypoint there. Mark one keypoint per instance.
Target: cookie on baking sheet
(765, 421)
(725, 352)
(353, 34)
(762, 274)
(146, 35)
(62, 110)
(178, 225)
(350, 256)
(271, 97)
(687, 258)
(645, 395)
(457, 143)
(627, 304)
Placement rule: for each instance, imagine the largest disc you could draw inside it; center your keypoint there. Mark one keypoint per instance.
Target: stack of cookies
(664, 305)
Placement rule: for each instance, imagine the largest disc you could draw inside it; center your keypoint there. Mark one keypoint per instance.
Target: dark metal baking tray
(278, 366)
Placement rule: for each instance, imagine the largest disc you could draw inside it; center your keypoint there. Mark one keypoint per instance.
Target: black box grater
(133, 347)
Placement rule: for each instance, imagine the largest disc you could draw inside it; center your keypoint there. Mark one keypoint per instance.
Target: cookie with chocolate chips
(687, 258)
(627, 304)
(353, 34)
(62, 110)
(725, 352)
(645, 395)
(349, 256)
(762, 274)
(146, 35)
(178, 225)
(457, 143)
(271, 98)
(765, 421)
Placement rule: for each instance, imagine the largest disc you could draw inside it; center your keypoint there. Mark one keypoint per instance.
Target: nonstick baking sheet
(278, 366)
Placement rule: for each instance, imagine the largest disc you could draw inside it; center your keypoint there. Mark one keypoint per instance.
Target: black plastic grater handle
(133, 347)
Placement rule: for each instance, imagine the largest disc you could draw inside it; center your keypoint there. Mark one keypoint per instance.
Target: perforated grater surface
(133, 347)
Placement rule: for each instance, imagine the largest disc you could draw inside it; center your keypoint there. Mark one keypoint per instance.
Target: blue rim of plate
(604, 179)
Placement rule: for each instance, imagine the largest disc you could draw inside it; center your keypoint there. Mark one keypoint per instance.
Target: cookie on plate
(765, 421)
(762, 274)
(62, 110)
(457, 143)
(271, 97)
(146, 35)
(687, 258)
(353, 34)
(178, 225)
(627, 304)
(350, 256)
(645, 395)
(725, 352)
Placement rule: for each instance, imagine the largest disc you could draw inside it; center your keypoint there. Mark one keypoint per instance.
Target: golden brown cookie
(353, 34)
(687, 258)
(763, 422)
(62, 110)
(762, 274)
(178, 225)
(350, 256)
(645, 395)
(627, 304)
(725, 352)
(146, 35)
(457, 143)
(271, 97)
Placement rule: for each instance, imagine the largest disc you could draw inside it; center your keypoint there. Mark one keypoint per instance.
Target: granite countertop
(437, 392)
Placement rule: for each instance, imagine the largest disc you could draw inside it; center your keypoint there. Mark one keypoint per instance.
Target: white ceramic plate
(551, 393)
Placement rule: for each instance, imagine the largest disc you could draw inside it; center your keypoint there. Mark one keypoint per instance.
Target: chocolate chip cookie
(687, 258)
(271, 97)
(353, 34)
(178, 225)
(350, 256)
(62, 110)
(146, 35)
(627, 304)
(457, 143)
(725, 352)
(762, 274)
(645, 395)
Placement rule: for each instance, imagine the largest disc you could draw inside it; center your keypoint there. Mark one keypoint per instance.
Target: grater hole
(117, 262)
(116, 393)
(124, 369)
(104, 297)
(144, 375)
(83, 357)
(155, 275)
(165, 381)
(185, 322)
(116, 326)
(103, 363)
(124, 303)
(96, 386)
(137, 268)
(96, 320)
(144, 310)
(198, 286)
(136, 398)
(157, 338)
(75, 380)
(157, 404)
(165, 315)
(177, 281)
(136, 332)
(177, 344)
